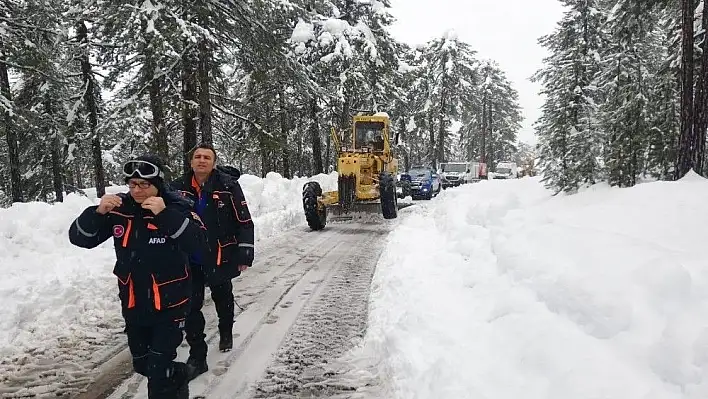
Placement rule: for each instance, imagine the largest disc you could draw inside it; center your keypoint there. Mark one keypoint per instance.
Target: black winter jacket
(154, 278)
(227, 219)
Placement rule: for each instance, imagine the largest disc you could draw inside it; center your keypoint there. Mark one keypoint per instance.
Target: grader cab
(367, 176)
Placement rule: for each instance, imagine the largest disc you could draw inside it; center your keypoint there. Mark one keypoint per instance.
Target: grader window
(369, 134)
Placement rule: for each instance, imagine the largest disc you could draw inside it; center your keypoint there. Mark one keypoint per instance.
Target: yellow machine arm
(336, 141)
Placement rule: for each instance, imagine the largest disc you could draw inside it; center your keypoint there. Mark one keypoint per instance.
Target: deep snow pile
(52, 292)
(499, 290)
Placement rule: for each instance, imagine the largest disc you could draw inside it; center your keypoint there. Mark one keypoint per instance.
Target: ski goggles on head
(141, 169)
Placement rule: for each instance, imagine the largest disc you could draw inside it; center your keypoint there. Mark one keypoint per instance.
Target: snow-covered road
(304, 303)
(493, 290)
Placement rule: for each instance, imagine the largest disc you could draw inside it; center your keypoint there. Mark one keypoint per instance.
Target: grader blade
(360, 211)
(355, 211)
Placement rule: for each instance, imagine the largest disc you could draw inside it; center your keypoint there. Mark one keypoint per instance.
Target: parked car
(424, 182)
(506, 170)
(453, 174)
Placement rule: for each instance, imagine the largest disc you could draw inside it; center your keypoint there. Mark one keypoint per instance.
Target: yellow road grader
(367, 175)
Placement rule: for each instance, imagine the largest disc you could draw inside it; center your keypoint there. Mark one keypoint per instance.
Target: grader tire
(389, 199)
(316, 218)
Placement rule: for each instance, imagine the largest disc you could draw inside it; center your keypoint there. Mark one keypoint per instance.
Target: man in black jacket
(153, 231)
(221, 205)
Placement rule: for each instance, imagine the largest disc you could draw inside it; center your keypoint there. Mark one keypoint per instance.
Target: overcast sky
(506, 32)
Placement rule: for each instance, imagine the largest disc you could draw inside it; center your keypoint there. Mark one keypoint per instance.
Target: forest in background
(626, 93)
(84, 85)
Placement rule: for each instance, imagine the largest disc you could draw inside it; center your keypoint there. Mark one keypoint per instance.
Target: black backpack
(228, 175)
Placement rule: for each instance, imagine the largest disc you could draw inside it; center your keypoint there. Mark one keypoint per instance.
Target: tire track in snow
(331, 323)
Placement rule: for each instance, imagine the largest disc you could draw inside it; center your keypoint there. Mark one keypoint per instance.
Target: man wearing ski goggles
(142, 169)
(153, 231)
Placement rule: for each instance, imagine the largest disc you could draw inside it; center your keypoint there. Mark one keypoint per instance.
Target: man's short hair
(205, 146)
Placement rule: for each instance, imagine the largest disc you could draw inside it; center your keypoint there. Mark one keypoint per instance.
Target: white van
(453, 174)
(506, 170)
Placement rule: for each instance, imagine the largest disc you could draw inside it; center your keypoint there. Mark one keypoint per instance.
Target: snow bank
(53, 292)
(499, 290)
(276, 203)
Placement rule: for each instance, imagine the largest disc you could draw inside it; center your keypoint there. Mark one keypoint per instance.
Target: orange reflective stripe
(152, 226)
(233, 204)
(218, 255)
(131, 295)
(121, 214)
(195, 185)
(156, 293)
(186, 276)
(127, 233)
(179, 303)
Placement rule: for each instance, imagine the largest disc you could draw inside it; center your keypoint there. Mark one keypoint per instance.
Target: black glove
(244, 256)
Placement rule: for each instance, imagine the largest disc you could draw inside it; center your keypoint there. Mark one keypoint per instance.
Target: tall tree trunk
(10, 132)
(189, 108)
(159, 130)
(300, 166)
(328, 150)
(262, 146)
(493, 156)
(686, 154)
(90, 102)
(284, 134)
(326, 161)
(431, 133)
(315, 138)
(483, 144)
(54, 143)
(440, 145)
(77, 179)
(204, 94)
(439, 154)
(402, 136)
(71, 154)
(345, 122)
(701, 103)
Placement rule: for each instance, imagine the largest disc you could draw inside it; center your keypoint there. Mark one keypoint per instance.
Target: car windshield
(503, 170)
(454, 167)
(419, 173)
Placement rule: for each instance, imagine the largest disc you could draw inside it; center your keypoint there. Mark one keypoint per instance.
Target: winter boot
(182, 379)
(226, 338)
(196, 367)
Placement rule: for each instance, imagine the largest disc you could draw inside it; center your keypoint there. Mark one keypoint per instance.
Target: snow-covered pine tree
(12, 30)
(700, 121)
(663, 107)
(687, 144)
(349, 51)
(625, 81)
(44, 76)
(570, 138)
(410, 107)
(496, 118)
(140, 44)
(86, 105)
(453, 78)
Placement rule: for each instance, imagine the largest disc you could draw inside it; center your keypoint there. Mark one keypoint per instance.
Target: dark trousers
(154, 349)
(223, 298)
